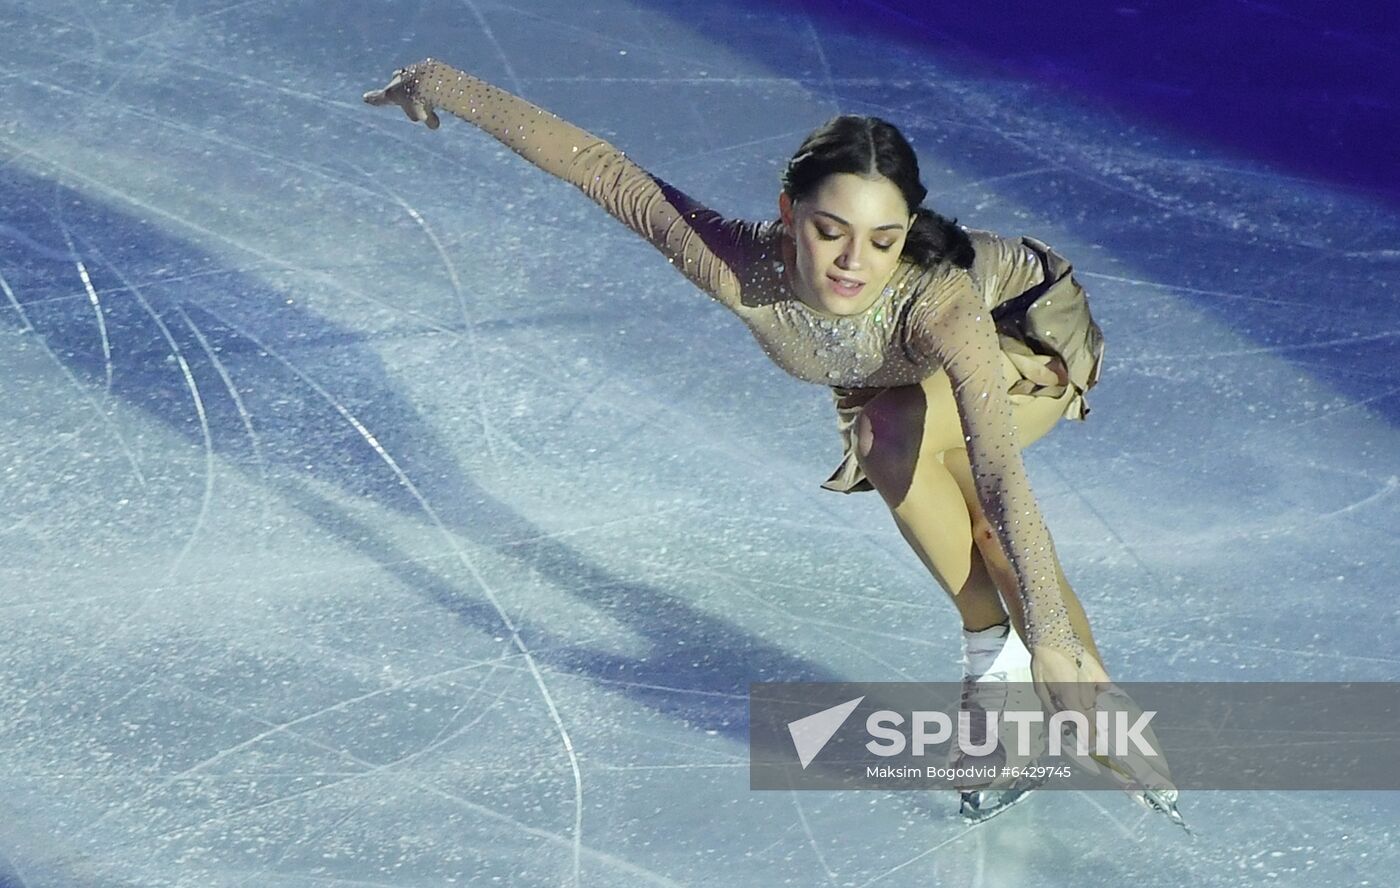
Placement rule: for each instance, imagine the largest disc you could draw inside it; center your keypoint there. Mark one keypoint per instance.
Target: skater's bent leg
(926, 503)
(977, 599)
(957, 465)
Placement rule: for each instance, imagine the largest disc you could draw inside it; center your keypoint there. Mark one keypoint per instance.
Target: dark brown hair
(869, 146)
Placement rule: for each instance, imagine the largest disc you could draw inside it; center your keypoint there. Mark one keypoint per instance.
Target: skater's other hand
(1042, 370)
(400, 91)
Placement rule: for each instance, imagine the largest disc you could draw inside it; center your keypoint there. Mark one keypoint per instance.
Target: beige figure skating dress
(1018, 295)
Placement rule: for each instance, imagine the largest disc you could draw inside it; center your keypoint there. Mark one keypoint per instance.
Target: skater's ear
(785, 208)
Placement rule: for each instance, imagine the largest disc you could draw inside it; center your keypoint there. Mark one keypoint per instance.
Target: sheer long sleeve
(950, 327)
(707, 248)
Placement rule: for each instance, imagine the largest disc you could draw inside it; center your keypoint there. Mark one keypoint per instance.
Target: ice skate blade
(1160, 800)
(1163, 803)
(981, 805)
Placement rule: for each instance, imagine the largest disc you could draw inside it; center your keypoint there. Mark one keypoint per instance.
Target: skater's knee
(984, 537)
(983, 534)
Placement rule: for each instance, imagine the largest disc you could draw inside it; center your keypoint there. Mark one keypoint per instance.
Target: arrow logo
(810, 734)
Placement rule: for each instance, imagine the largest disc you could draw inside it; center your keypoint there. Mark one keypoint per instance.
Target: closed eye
(832, 236)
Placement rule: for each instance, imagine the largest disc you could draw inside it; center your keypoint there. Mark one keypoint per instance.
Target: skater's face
(847, 235)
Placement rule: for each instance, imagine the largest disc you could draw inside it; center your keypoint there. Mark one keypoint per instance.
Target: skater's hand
(1064, 681)
(1138, 767)
(1043, 370)
(1040, 369)
(400, 92)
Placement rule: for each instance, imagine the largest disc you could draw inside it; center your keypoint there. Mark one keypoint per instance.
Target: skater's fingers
(393, 92)
(1035, 368)
(1091, 682)
(1052, 696)
(1066, 680)
(399, 92)
(1078, 751)
(1084, 698)
(1067, 698)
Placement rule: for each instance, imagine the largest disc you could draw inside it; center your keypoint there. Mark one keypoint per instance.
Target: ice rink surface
(376, 511)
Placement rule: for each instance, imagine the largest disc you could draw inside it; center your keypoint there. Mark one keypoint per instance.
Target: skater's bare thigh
(908, 426)
(1034, 416)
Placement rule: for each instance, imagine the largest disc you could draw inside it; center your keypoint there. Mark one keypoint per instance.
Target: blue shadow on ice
(272, 350)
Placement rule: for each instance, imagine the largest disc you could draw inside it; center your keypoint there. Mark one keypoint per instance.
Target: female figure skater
(947, 350)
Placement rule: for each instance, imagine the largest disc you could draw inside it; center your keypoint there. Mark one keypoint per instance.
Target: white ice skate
(996, 676)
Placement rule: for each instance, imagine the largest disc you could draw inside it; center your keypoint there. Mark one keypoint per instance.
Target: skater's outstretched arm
(708, 249)
(950, 327)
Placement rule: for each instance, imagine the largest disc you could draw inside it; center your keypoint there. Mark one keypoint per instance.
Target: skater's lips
(846, 288)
